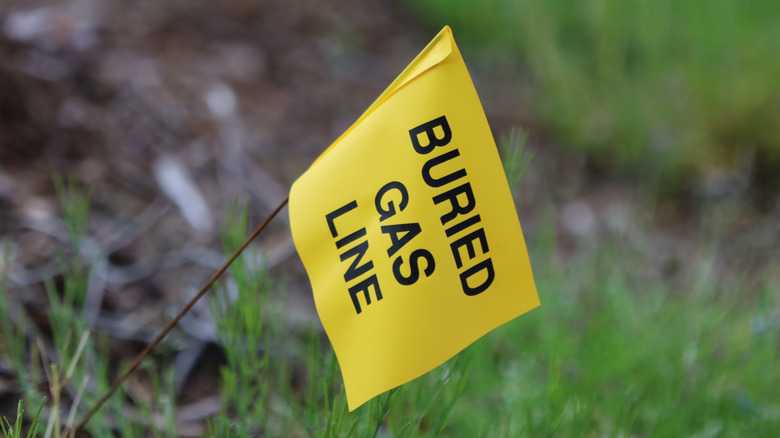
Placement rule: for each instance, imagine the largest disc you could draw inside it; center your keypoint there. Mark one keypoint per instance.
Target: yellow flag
(407, 229)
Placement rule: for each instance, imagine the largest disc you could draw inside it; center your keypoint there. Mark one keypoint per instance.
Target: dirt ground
(170, 110)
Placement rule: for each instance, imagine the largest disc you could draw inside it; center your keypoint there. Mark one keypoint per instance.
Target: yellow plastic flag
(407, 229)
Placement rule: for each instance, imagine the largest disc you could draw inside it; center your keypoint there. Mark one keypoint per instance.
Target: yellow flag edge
(434, 53)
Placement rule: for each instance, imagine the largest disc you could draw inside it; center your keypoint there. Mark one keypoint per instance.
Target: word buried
(393, 198)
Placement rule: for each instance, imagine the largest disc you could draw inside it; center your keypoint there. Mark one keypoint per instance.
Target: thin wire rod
(174, 321)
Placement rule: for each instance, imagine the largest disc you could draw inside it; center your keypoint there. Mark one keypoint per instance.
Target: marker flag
(408, 232)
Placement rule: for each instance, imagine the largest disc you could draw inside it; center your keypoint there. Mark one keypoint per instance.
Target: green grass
(608, 355)
(15, 430)
(74, 363)
(671, 90)
(612, 351)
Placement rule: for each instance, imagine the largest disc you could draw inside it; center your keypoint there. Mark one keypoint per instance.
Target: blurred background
(654, 131)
